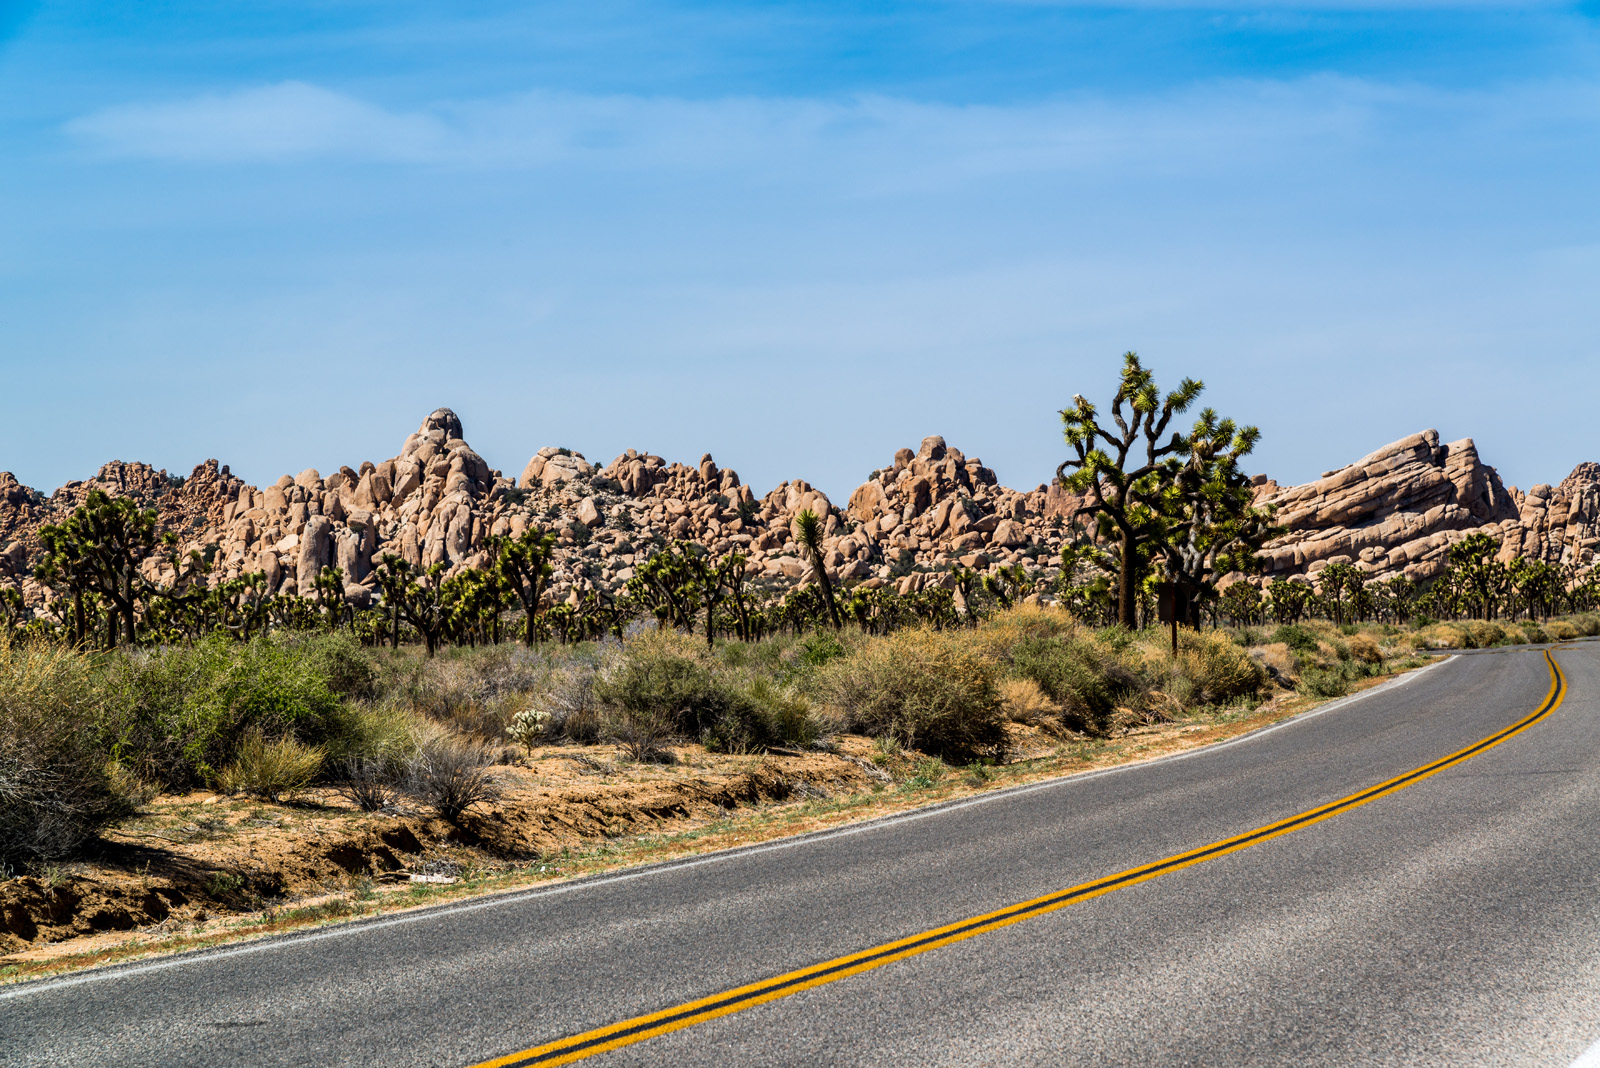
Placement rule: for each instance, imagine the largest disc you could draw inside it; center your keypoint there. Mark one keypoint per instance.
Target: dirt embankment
(190, 858)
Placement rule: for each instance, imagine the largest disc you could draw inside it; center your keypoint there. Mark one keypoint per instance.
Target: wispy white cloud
(291, 120)
(865, 142)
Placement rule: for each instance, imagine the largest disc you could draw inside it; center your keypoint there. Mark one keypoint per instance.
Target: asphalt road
(1454, 922)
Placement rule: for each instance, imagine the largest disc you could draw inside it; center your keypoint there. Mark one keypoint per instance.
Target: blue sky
(796, 236)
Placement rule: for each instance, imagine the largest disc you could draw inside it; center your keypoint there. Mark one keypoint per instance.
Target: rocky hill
(1393, 512)
(1397, 512)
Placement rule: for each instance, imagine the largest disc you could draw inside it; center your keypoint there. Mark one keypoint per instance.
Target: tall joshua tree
(1129, 472)
(99, 549)
(1213, 525)
(809, 527)
(525, 565)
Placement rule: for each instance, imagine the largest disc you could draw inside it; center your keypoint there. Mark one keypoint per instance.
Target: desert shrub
(817, 649)
(184, 711)
(1588, 624)
(1325, 682)
(1364, 647)
(1248, 636)
(930, 689)
(1277, 660)
(346, 666)
(451, 774)
(1217, 669)
(479, 690)
(643, 732)
(1086, 675)
(1530, 632)
(1486, 633)
(1445, 636)
(1023, 701)
(1559, 630)
(664, 685)
(56, 788)
(776, 655)
(564, 709)
(1006, 628)
(383, 729)
(270, 768)
(656, 677)
(372, 783)
(782, 713)
(1296, 637)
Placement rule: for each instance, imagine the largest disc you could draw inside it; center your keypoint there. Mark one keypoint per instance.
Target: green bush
(182, 712)
(1301, 639)
(783, 715)
(818, 649)
(1325, 682)
(1083, 675)
(929, 689)
(56, 787)
(663, 686)
(1217, 669)
(339, 658)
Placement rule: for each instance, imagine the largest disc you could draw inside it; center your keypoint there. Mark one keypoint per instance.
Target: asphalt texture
(1455, 922)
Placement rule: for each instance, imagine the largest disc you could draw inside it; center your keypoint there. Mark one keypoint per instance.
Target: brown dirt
(190, 857)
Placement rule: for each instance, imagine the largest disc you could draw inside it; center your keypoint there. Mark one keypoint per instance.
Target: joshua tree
(666, 583)
(1131, 486)
(1338, 584)
(1007, 585)
(1538, 585)
(1213, 527)
(809, 528)
(732, 570)
(1479, 578)
(525, 565)
(416, 596)
(99, 550)
(329, 584)
(1289, 599)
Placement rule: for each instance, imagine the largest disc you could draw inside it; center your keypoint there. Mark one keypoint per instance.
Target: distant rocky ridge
(1395, 512)
(1398, 511)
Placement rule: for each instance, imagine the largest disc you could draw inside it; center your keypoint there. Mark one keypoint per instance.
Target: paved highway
(1453, 921)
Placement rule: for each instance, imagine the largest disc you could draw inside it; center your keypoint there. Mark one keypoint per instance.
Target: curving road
(1456, 921)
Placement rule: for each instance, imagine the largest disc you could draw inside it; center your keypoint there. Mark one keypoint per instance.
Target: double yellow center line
(640, 1028)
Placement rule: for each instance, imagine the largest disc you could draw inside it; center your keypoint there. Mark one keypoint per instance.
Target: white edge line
(1589, 1058)
(513, 897)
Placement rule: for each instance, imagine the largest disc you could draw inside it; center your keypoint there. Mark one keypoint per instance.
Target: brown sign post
(1167, 609)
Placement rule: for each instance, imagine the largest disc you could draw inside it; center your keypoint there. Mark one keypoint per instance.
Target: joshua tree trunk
(1127, 585)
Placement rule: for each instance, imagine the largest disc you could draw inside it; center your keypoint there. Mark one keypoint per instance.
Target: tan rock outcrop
(1396, 511)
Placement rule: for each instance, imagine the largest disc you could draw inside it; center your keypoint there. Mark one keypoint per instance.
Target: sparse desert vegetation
(306, 772)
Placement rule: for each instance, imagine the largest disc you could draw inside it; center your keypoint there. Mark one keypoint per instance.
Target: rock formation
(1398, 511)
(1395, 512)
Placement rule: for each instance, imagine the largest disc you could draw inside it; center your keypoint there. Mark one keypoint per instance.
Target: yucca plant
(809, 527)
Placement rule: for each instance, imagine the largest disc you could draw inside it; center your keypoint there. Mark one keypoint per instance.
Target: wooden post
(1167, 609)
